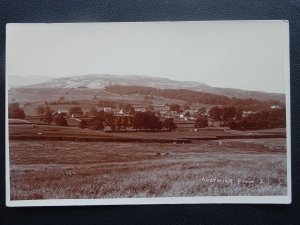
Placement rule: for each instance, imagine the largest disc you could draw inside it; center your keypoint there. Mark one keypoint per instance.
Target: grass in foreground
(55, 170)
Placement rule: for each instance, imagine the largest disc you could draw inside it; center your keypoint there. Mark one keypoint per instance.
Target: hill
(100, 81)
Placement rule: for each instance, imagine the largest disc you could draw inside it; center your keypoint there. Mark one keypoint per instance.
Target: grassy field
(50, 132)
(55, 170)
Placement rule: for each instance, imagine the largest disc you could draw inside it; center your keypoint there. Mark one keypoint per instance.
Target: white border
(169, 200)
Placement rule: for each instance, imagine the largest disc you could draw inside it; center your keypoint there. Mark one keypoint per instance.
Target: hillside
(189, 96)
(101, 81)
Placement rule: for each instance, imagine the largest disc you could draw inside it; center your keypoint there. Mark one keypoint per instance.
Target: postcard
(120, 113)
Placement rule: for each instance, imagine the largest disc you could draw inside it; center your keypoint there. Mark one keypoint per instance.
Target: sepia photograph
(147, 113)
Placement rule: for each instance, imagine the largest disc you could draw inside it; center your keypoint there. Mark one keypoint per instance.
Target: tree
(239, 114)
(124, 122)
(147, 121)
(259, 120)
(76, 110)
(169, 124)
(42, 109)
(109, 119)
(60, 120)
(175, 107)
(154, 122)
(97, 123)
(201, 122)
(201, 111)
(229, 113)
(215, 113)
(15, 112)
(47, 117)
(84, 124)
(138, 120)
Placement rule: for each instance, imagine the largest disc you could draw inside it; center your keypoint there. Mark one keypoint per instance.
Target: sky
(249, 55)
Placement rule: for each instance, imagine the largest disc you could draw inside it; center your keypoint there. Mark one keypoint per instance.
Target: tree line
(274, 118)
(139, 121)
(48, 116)
(61, 103)
(227, 116)
(233, 118)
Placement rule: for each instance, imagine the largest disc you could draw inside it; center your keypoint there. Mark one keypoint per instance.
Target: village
(145, 113)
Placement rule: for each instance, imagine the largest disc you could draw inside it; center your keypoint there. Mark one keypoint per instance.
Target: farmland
(72, 161)
(55, 170)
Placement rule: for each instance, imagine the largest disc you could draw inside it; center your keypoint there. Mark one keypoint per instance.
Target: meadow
(65, 169)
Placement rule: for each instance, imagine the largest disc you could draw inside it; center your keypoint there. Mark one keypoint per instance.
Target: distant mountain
(101, 81)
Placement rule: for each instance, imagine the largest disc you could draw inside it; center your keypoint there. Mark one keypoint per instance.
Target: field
(26, 132)
(55, 170)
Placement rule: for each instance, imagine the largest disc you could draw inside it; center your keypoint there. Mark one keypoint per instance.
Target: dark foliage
(146, 121)
(42, 109)
(62, 102)
(169, 124)
(60, 120)
(228, 113)
(179, 94)
(84, 124)
(76, 110)
(47, 117)
(15, 112)
(201, 122)
(97, 123)
(175, 107)
(261, 120)
(191, 96)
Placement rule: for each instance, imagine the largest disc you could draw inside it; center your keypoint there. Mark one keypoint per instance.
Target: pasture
(51, 132)
(65, 169)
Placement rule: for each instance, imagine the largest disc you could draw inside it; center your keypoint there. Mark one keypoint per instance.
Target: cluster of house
(162, 111)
